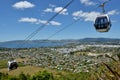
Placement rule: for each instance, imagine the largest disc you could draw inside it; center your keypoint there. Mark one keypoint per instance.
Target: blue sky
(19, 18)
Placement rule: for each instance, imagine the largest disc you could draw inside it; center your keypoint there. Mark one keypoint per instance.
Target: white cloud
(51, 5)
(48, 10)
(113, 12)
(90, 16)
(55, 23)
(86, 16)
(87, 2)
(23, 5)
(56, 10)
(30, 20)
(39, 21)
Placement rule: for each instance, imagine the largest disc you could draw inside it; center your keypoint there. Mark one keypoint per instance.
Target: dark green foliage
(38, 76)
(22, 76)
(12, 78)
(42, 76)
(3, 76)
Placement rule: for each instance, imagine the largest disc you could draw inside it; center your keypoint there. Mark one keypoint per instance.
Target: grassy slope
(3, 64)
(30, 70)
(59, 75)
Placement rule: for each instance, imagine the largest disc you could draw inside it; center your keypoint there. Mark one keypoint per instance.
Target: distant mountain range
(53, 43)
(100, 40)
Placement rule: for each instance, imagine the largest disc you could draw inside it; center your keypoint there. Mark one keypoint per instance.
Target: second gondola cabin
(102, 23)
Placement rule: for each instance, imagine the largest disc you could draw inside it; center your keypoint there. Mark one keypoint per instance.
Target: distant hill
(53, 43)
(100, 40)
(32, 44)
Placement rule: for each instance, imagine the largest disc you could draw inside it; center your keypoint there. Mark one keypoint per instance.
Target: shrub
(22, 76)
(42, 76)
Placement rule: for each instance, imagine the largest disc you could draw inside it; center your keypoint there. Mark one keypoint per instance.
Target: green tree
(42, 76)
(22, 76)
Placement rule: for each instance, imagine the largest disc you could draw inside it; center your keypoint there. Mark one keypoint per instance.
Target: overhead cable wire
(63, 29)
(42, 26)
